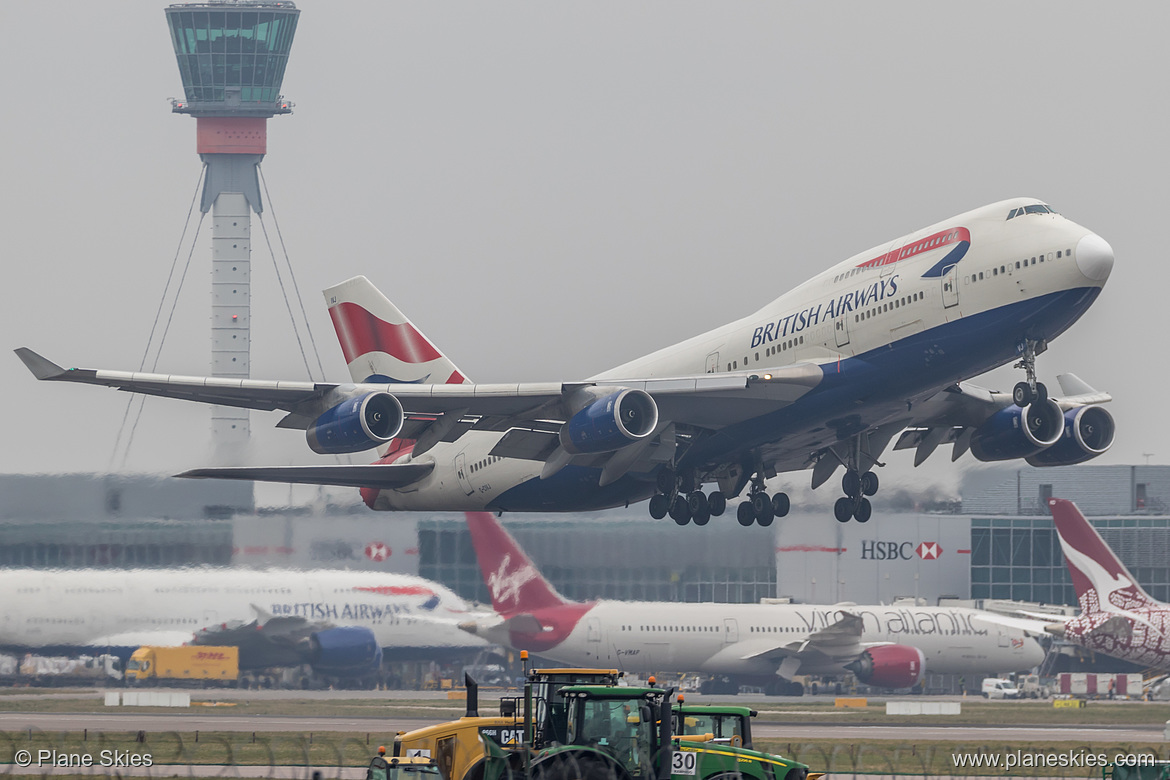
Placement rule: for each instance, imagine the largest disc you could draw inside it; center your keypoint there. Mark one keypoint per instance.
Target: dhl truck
(210, 664)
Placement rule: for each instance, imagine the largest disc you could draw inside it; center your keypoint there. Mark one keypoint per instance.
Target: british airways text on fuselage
(835, 307)
(323, 610)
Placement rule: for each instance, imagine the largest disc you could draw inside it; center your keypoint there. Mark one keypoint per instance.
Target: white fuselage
(101, 608)
(742, 639)
(873, 307)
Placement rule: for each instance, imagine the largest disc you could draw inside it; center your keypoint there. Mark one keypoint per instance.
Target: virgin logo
(505, 585)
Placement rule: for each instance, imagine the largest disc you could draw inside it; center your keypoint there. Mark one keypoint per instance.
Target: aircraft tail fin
(512, 578)
(380, 343)
(1102, 582)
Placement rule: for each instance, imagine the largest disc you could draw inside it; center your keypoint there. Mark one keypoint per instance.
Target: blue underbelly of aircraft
(918, 365)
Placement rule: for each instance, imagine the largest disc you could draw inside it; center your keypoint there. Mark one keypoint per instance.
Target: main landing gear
(1029, 390)
(855, 504)
(680, 497)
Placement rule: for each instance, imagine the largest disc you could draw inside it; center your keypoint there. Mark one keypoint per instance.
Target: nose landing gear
(1030, 390)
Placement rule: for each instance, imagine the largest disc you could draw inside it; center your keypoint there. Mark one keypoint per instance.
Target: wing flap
(377, 475)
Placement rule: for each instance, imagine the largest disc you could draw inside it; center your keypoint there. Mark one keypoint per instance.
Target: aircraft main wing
(384, 476)
(704, 400)
(841, 639)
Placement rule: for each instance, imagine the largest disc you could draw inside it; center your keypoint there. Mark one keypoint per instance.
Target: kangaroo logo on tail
(512, 578)
(1102, 582)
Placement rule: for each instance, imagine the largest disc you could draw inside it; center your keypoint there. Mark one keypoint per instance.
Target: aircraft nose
(1094, 257)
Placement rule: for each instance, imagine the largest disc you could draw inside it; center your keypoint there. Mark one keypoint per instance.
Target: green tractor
(626, 733)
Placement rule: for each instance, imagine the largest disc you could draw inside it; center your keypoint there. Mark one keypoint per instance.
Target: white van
(999, 688)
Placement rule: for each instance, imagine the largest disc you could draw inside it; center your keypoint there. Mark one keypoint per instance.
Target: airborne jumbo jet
(822, 378)
(758, 644)
(335, 621)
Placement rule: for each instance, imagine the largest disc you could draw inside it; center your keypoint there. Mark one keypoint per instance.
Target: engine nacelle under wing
(610, 423)
(356, 424)
(1088, 432)
(344, 650)
(1013, 432)
(889, 666)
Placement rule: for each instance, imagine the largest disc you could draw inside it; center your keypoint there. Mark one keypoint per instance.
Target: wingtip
(40, 366)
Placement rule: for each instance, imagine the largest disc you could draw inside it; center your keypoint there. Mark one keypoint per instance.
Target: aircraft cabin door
(730, 630)
(461, 473)
(713, 363)
(841, 330)
(950, 287)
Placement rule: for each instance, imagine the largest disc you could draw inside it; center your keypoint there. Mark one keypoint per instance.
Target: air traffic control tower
(232, 55)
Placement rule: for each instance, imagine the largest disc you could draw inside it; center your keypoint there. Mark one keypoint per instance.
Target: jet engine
(1013, 432)
(356, 424)
(610, 423)
(889, 666)
(1088, 432)
(344, 650)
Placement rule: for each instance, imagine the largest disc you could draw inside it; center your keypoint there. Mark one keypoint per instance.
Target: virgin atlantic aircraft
(822, 378)
(756, 644)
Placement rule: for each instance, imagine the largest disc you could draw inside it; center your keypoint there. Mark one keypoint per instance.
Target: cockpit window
(1034, 209)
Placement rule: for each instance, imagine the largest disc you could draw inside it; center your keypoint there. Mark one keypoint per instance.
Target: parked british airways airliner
(333, 621)
(822, 378)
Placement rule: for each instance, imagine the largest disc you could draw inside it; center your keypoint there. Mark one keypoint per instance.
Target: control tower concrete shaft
(232, 55)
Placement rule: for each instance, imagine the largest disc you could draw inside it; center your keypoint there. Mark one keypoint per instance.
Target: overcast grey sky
(550, 189)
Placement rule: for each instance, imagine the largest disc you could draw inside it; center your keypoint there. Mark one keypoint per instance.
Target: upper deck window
(1034, 209)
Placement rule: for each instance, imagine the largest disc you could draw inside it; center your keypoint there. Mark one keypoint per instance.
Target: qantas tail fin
(512, 578)
(1102, 582)
(380, 344)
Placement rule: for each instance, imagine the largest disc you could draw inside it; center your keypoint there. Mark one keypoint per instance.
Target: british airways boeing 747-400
(823, 378)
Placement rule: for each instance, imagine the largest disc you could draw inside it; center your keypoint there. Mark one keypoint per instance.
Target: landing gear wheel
(745, 514)
(1022, 394)
(762, 508)
(780, 504)
(863, 511)
(717, 503)
(700, 510)
(851, 484)
(680, 511)
(697, 504)
(843, 509)
(869, 483)
(703, 517)
(659, 506)
(1041, 392)
(665, 481)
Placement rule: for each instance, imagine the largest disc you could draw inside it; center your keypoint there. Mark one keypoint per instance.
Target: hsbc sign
(875, 550)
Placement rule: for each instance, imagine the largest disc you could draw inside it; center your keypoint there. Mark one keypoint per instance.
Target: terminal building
(997, 543)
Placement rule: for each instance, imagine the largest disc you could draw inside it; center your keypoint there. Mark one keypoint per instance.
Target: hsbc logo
(378, 552)
(928, 551)
(873, 550)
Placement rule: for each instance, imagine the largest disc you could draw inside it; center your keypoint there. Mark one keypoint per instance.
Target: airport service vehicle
(341, 624)
(1157, 770)
(825, 377)
(399, 768)
(725, 724)
(1032, 686)
(741, 644)
(999, 688)
(154, 665)
(457, 746)
(1117, 618)
(628, 732)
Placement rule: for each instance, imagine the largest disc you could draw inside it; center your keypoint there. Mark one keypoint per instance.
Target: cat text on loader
(457, 747)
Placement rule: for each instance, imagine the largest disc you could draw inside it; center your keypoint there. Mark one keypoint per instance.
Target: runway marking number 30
(683, 762)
